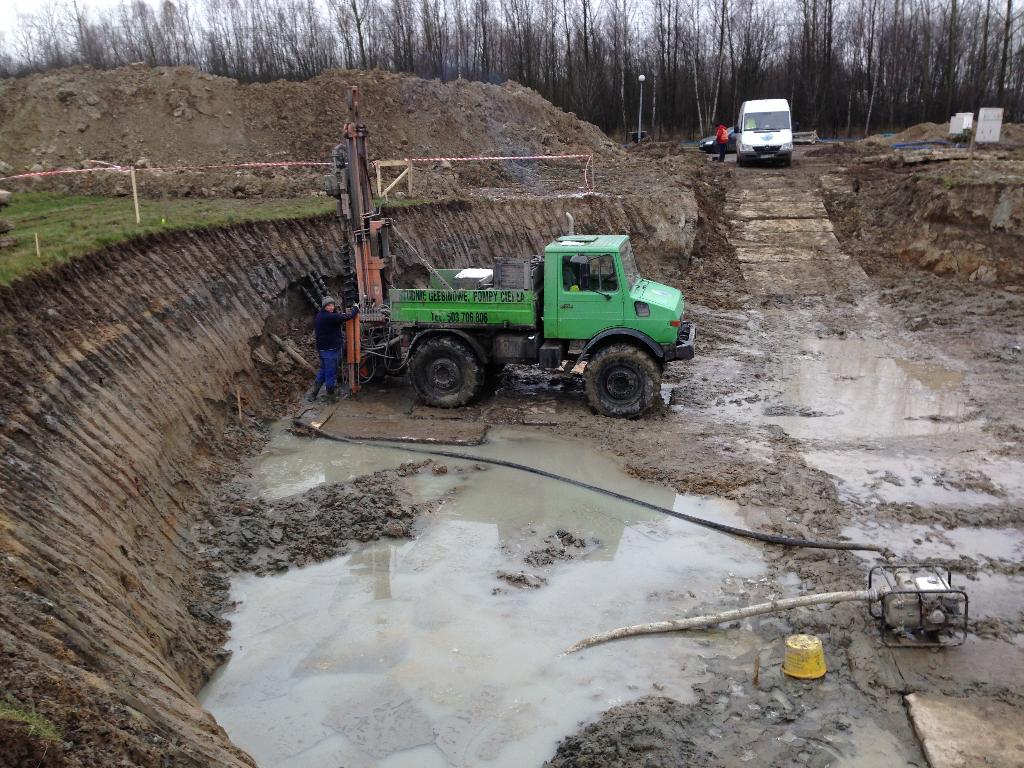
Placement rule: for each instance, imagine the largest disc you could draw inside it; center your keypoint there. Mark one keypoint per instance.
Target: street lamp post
(640, 112)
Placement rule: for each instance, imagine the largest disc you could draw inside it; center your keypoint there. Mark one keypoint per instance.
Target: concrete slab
(781, 209)
(966, 732)
(823, 242)
(775, 226)
(750, 254)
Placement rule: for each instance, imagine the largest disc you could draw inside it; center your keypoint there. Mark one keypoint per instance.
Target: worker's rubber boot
(332, 394)
(313, 392)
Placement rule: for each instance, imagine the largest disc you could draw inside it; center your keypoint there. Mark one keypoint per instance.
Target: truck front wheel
(445, 372)
(622, 381)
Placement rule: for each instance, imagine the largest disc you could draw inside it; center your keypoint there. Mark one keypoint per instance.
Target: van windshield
(766, 121)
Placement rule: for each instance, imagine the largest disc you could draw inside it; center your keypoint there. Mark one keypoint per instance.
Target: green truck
(583, 301)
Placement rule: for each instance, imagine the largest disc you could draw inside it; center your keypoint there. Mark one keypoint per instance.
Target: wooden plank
(405, 430)
(820, 242)
(754, 254)
(777, 209)
(782, 225)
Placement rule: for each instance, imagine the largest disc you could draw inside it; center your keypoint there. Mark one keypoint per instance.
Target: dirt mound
(1012, 133)
(176, 116)
(654, 732)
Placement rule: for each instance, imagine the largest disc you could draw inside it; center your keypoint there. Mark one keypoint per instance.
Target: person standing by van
(722, 139)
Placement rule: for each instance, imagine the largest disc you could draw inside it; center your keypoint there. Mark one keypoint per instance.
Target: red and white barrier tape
(494, 157)
(112, 168)
(588, 166)
(106, 167)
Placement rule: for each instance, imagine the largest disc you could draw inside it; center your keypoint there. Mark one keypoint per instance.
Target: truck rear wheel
(622, 381)
(445, 372)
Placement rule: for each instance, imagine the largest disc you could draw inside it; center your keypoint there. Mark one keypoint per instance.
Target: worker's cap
(327, 300)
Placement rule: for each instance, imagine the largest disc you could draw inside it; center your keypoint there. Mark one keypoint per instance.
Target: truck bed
(488, 308)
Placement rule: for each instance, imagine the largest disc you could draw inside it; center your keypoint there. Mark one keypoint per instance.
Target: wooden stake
(757, 670)
(39, 255)
(238, 402)
(135, 197)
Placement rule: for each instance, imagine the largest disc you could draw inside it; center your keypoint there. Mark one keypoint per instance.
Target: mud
(260, 536)
(843, 386)
(653, 732)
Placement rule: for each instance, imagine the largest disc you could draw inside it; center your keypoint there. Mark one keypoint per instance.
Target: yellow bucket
(804, 657)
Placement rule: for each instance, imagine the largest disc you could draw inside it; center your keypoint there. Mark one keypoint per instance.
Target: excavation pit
(446, 650)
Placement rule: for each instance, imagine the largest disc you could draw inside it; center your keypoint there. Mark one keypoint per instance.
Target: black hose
(769, 538)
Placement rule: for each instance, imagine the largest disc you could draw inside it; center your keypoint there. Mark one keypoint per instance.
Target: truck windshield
(766, 121)
(629, 266)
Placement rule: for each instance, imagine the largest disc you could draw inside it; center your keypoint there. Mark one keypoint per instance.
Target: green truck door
(586, 307)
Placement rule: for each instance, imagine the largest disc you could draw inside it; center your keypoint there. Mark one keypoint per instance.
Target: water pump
(918, 605)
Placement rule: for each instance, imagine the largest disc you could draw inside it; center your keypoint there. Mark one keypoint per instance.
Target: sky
(9, 9)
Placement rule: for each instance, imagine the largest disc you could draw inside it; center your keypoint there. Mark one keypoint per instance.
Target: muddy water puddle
(914, 541)
(416, 653)
(968, 479)
(847, 389)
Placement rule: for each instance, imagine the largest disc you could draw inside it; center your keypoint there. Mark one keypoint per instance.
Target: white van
(764, 132)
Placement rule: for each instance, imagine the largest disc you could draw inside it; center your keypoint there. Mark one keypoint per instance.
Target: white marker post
(135, 197)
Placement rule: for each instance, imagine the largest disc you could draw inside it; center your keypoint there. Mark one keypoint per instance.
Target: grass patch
(38, 726)
(398, 202)
(74, 225)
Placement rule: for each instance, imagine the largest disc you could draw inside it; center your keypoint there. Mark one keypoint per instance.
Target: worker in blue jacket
(329, 328)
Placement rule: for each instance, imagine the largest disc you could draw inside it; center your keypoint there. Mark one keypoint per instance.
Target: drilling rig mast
(366, 249)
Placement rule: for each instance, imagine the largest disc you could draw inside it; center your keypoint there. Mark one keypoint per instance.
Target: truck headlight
(741, 147)
(787, 147)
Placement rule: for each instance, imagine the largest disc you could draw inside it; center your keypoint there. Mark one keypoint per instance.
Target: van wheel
(621, 381)
(445, 372)
(787, 162)
(740, 162)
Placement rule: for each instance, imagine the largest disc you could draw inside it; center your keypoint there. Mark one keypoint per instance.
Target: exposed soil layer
(960, 218)
(116, 382)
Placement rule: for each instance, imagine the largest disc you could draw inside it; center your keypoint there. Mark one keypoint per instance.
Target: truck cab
(592, 286)
(585, 300)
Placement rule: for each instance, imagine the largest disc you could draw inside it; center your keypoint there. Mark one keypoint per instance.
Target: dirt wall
(113, 387)
(961, 219)
(463, 233)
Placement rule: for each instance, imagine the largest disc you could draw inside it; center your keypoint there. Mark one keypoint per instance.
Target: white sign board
(960, 123)
(990, 123)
